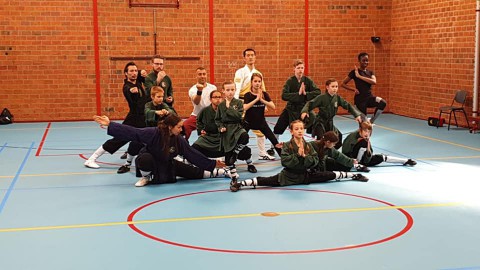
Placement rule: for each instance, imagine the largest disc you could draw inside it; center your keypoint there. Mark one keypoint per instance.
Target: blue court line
(3, 147)
(12, 185)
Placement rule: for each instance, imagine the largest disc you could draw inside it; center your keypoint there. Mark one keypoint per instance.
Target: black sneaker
(359, 177)
(234, 185)
(124, 169)
(251, 168)
(410, 162)
(124, 156)
(362, 168)
(271, 152)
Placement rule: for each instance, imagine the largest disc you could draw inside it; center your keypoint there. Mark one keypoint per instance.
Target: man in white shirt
(200, 96)
(243, 84)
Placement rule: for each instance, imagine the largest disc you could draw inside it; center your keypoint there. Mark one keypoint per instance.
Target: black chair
(458, 104)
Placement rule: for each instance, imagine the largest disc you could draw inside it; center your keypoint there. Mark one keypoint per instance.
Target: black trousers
(282, 123)
(375, 160)
(112, 145)
(265, 129)
(146, 162)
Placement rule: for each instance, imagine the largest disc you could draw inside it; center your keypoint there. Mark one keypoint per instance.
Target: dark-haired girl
(300, 161)
(328, 104)
(330, 159)
(156, 163)
(357, 145)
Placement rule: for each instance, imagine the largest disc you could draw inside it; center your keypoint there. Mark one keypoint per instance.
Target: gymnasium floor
(57, 214)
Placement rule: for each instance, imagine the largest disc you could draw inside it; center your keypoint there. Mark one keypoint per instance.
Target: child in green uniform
(330, 159)
(209, 136)
(233, 138)
(299, 160)
(297, 90)
(156, 109)
(328, 106)
(357, 145)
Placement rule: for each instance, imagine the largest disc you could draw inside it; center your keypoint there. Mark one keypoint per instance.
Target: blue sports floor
(57, 214)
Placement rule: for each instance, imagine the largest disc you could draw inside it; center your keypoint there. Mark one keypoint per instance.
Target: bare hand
(220, 164)
(143, 73)
(200, 86)
(223, 129)
(302, 89)
(102, 120)
(357, 74)
(260, 96)
(134, 90)
(203, 132)
(169, 99)
(304, 115)
(301, 151)
(161, 112)
(160, 76)
(358, 119)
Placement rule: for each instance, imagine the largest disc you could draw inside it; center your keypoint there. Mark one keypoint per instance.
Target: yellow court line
(78, 226)
(429, 138)
(449, 158)
(56, 174)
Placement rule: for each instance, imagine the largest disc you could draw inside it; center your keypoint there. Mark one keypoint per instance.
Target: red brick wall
(47, 49)
(432, 55)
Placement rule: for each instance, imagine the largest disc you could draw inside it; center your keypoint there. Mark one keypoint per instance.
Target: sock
(376, 115)
(391, 159)
(342, 175)
(145, 174)
(249, 161)
(233, 171)
(261, 146)
(358, 166)
(98, 153)
(217, 172)
(361, 151)
(129, 160)
(249, 182)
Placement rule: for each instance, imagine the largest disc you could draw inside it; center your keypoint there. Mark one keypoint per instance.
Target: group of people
(222, 119)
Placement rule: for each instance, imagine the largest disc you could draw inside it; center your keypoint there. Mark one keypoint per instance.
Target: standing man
(243, 85)
(297, 90)
(364, 79)
(158, 77)
(200, 96)
(136, 98)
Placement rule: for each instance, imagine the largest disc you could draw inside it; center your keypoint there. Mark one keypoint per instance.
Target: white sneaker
(90, 163)
(266, 157)
(142, 182)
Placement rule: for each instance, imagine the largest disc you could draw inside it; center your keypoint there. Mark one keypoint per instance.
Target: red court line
(211, 41)
(305, 41)
(43, 139)
(96, 47)
(106, 163)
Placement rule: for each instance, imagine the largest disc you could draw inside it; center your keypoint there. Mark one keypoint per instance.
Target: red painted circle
(407, 227)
